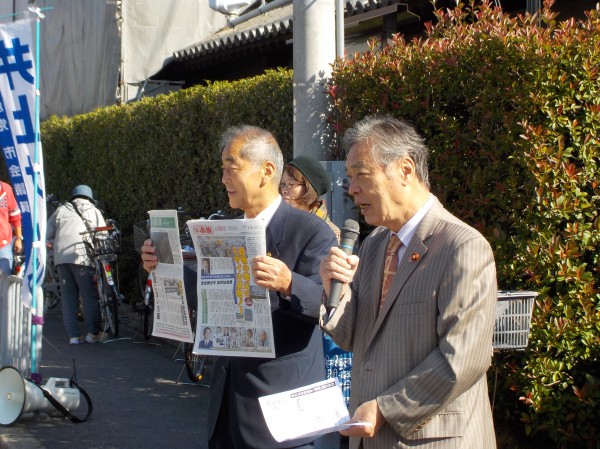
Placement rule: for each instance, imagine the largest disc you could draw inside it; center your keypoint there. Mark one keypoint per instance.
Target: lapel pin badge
(269, 253)
(415, 257)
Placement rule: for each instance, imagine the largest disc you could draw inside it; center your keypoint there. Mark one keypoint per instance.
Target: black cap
(314, 173)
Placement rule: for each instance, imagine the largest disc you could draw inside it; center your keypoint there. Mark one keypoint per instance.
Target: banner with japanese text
(23, 155)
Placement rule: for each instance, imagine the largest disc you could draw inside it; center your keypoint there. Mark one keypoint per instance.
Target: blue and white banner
(21, 147)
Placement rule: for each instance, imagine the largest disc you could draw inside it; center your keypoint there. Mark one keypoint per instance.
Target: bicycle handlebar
(98, 229)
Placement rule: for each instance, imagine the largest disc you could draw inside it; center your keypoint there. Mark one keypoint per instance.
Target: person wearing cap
(303, 182)
(75, 269)
(11, 239)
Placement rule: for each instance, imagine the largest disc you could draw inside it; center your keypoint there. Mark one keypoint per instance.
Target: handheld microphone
(350, 232)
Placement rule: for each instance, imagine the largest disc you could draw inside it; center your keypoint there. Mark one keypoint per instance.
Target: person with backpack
(75, 269)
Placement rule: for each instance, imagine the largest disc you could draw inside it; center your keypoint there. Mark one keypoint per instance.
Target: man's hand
(18, 246)
(149, 257)
(369, 414)
(338, 265)
(272, 274)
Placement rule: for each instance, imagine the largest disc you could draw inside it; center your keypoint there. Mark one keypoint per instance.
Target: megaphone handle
(66, 413)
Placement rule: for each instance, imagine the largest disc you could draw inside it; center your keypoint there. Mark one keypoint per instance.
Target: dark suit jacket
(300, 240)
(204, 345)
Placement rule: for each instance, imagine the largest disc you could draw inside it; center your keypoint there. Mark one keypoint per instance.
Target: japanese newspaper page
(171, 318)
(234, 314)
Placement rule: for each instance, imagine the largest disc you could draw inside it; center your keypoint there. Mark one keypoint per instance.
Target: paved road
(137, 399)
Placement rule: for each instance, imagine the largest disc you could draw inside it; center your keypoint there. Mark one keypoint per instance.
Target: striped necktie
(390, 267)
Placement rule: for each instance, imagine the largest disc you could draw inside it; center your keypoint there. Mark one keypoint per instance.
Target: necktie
(390, 267)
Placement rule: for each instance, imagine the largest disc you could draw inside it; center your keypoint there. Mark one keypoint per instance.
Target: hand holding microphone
(333, 265)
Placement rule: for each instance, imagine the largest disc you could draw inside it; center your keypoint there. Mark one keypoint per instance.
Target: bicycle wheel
(146, 306)
(51, 289)
(149, 314)
(109, 304)
(50, 299)
(194, 364)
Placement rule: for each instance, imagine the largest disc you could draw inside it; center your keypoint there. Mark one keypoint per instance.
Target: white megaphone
(19, 395)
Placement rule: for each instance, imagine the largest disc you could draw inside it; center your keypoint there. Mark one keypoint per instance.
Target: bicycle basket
(141, 233)
(513, 319)
(102, 243)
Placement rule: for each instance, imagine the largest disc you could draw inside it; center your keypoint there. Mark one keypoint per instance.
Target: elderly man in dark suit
(252, 165)
(419, 312)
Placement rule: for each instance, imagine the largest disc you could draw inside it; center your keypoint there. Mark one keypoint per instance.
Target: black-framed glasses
(289, 185)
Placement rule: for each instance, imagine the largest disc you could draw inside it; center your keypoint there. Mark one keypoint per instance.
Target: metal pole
(37, 307)
(339, 28)
(314, 51)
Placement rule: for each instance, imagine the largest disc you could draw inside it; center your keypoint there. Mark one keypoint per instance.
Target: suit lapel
(412, 258)
(276, 229)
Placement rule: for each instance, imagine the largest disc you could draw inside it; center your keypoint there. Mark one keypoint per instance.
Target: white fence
(16, 329)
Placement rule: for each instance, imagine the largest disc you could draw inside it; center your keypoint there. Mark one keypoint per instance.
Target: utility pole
(314, 50)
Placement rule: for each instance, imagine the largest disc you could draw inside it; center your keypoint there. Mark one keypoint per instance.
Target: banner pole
(37, 317)
(15, 14)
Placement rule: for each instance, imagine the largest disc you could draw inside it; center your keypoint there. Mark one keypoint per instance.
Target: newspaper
(171, 316)
(315, 409)
(234, 314)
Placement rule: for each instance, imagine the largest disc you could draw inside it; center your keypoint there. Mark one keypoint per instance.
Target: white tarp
(81, 46)
(153, 30)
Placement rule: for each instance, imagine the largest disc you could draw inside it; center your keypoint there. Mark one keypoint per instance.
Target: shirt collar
(408, 230)
(267, 214)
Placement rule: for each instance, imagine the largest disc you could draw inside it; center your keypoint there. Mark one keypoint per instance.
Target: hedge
(161, 152)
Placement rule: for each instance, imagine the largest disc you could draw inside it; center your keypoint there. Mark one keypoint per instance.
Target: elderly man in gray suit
(417, 304)
(297, 241)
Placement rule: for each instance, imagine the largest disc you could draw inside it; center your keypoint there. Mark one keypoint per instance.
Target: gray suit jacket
(424, 356)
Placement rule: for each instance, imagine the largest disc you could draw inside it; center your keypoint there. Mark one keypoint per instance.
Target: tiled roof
(277, 22)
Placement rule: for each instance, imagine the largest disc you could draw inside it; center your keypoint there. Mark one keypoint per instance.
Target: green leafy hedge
(162, 152)
(510, 107)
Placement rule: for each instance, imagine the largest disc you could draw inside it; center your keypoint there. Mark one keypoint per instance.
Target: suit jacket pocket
(447, 424)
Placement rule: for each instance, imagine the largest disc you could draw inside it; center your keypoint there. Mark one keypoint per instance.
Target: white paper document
(316, 409)
(171, 318)
(234, 314)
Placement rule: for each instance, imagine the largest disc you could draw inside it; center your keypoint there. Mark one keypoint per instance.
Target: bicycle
(195, 364)
(102, 245)
(51, 284)
(140, 234)
(18, 265)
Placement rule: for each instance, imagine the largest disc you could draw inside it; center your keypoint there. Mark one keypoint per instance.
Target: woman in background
(303, 182)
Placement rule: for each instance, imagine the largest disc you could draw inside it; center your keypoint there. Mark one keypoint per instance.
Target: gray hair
(259, 146)
(390, 139)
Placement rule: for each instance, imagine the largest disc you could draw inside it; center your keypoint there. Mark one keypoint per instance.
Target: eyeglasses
(289, 185)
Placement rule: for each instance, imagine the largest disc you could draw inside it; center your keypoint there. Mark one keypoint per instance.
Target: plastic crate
(513, 319)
